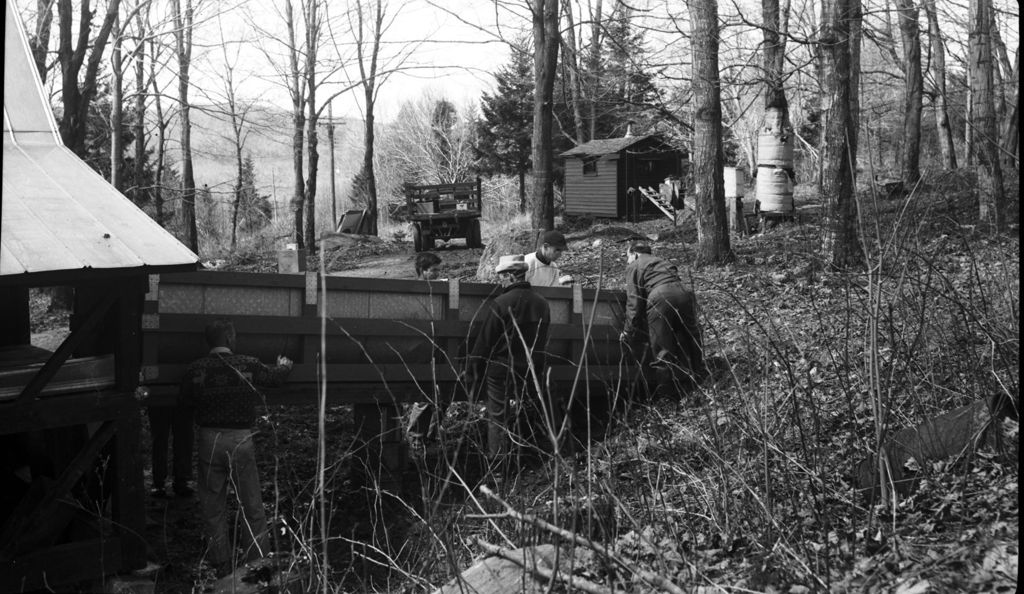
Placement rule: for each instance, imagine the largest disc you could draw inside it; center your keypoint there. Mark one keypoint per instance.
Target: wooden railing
(387, 340)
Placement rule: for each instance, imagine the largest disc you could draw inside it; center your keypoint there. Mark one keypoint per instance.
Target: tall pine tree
(506, 124)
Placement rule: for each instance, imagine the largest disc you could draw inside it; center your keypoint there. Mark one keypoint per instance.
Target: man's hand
(565, 279)
(284, 361)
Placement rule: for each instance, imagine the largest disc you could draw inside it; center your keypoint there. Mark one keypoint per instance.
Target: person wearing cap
(663, 313)
(508, 354)
(542, 271)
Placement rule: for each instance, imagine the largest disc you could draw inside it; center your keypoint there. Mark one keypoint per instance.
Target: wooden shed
(72, 505)
(599, 174)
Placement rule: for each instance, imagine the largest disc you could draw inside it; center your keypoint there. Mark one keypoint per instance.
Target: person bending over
(662, 313)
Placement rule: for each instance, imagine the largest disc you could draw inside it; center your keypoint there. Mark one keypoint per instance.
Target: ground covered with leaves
(744, 484)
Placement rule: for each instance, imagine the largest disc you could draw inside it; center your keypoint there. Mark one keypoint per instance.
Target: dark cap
(554, 239)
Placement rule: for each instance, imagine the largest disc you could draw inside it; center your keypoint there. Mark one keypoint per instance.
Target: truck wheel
(417, 238)
(473, 238)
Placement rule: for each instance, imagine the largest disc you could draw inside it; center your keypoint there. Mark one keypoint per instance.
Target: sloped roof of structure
(57, 214)
(605, 146)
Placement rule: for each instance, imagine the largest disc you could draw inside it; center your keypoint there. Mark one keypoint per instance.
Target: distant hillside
(269, 142)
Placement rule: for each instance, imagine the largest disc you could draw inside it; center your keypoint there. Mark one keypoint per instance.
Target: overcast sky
(445, 55)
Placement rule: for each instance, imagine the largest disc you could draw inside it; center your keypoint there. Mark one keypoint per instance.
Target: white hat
(509, 263)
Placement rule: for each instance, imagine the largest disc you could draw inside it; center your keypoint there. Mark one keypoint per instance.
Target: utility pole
(330, 139)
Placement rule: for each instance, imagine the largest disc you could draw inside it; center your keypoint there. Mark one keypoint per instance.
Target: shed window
(590, 166)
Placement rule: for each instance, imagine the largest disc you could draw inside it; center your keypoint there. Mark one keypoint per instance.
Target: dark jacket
(221, 387)
(643, 276)
(516, 316)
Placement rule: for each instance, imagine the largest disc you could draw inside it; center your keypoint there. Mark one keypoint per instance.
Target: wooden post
(129, 510)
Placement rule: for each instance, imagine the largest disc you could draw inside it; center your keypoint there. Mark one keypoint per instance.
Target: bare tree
(368, 27)
(571, 63)
(183, 20)
(939, 97)
(142, 10)
(708, 157)
(162, 122)
(1008, 126)
(39, 40)
(236, 109)
(991, 200)
(545, 15)
(776, 28)
(116, 108)
(78, 88)
(313, 23)
(913, 91)
(841, 242)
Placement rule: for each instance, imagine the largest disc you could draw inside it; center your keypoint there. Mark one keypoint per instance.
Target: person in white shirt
(542, 271)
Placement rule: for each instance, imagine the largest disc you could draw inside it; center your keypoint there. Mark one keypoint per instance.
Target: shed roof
(604, 146)
(57, 214)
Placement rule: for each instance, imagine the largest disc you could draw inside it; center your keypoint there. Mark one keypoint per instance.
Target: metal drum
(774, 190)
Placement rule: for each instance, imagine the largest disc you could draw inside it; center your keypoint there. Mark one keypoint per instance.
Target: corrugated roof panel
(57, 213)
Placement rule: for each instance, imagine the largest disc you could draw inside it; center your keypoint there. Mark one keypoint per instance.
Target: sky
(446, 55)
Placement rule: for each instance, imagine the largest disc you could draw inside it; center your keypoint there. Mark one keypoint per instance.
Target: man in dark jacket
(508, 353)
(662, 313)
(222, 388)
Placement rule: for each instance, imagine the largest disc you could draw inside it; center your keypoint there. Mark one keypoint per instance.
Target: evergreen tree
(255, 208)
(505, 128)
(628, 95)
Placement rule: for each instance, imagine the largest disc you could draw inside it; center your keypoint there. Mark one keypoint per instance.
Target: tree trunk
(522, 190)
(969, 120)
(312, 41)
(545, 60)
(116, 110)
(183, 39)
(775, 29)
(40, 42)
(840, 243)
(1010, 129)
(369, 174)
(368, 74)
(856, 33)
(571, 63)
(334, 170)
(708, 156)
(594, 66)
(913, 92)
(939, 77)
(991, 201)
(138, 191)
(298, 125)
(77, 97)
(161, 140)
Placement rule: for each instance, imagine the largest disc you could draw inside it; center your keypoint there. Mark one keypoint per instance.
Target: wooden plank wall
(592, 195)
(387, 340)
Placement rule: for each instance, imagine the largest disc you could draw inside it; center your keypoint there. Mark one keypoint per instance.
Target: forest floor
(747, 484)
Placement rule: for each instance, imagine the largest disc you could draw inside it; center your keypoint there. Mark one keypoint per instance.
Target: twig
(647, 576)
(574, 583)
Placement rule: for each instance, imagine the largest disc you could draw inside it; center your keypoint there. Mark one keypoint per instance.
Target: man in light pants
(222, 388)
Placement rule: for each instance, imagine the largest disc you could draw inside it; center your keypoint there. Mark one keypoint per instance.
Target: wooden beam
(82, 462)
(92, 321)
(65, 410)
